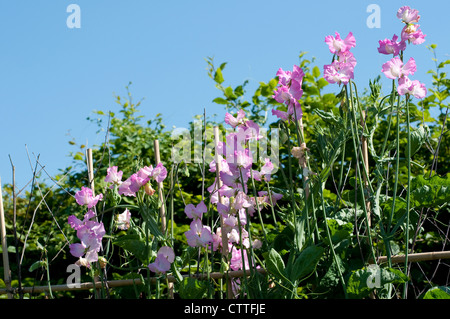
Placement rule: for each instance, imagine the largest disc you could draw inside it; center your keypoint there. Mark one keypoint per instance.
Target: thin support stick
(162, 209)
(6, 269)
(218, 186)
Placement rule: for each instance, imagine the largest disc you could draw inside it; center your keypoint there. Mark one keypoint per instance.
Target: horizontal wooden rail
(126, 282)
(416, 257)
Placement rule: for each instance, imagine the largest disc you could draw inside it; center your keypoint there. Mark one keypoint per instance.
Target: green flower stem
(408, 192)
(355, 137)
(330, 242)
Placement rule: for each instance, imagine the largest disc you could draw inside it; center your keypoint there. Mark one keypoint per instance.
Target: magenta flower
(159, 173)
(266, 169)
(90, 233)
(391, 46)
(413, 34)
(132, 185)
(235, 121)
(338, 72)
(236, 259)
(408, 15)
(85, 197)
(195, 212)
(113, 176)
(414, 88)
(198, 235)
(395, 68)
(336, 44)
(165, 257)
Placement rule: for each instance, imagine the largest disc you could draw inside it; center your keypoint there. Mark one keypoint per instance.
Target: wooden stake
(218, 186)
(6, 269)
(365, 154)
(162, 209)
(137, 281)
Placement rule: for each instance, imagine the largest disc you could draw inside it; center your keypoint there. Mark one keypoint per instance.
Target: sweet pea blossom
(338, 72)
(235, 121)
(337, 44)
(195, 212)
(395, 68)
(289, 92)
(391, 46)
(85, 197)
(90, 233)
(413, 34)
(113, 176)
(408, 15)
(123, 220)
(414, 88)
(198, 235)
(159, 173)
(164, 259)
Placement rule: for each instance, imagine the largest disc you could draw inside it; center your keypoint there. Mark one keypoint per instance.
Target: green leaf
(191, 288)
(439, 292)
(135, 245)
(275, 265)
(418, 137)
(431, 192)
(316, 72)
(339, 230)
(218, 77)
(36, 265)
(306, 262)
(220, 100)
(365, 280)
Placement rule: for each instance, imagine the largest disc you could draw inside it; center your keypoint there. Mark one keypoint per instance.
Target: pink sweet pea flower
(132, 185)
(85, 197)
(413, 34)
(164, 259)
(391, 46)
(336, 44)
(90, 233)
(159, 173)
(414, 88)
(236, 259)
(408, 15)
(338, 72)
(267, 169)
(123, 220)
(113, 176)
(235, 121)
(198, 235)
(195, 212)
(395, 68)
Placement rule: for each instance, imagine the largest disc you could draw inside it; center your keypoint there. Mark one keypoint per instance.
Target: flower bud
(149, 189)
(102, 262)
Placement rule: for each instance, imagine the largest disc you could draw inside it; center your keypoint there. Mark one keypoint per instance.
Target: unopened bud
(149, 189)
(102, 262)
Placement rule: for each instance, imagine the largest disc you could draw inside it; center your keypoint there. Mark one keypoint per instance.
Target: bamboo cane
(162, 209)
(218, 186)
(129, 282)
(434, 255)
(365, 154)
(6, 269)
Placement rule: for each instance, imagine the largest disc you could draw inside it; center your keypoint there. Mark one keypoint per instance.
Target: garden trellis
(343, 193)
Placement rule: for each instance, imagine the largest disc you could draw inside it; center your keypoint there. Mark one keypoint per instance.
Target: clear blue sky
(53, 77)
